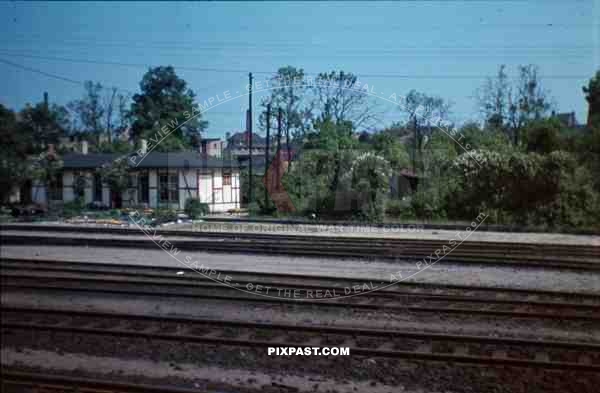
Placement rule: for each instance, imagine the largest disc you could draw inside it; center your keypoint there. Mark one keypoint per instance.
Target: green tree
(369, 179)
(13, 151)
(509, 106)
(99, 113)
(339, 97)
(390, 148)
(543, 136)
(166, 106)
(116, 174)
(424, 114)
(288, 90)
(42, 125)
(592, 96)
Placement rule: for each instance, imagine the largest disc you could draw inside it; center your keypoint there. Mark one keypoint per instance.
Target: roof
(567, 119)
(241, 139)
(151, 160)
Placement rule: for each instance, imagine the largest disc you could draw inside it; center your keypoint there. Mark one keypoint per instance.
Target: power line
(50, 75)
(291, 46)
(239, 71)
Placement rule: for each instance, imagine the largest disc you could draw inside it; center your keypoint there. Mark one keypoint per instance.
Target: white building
(157, 180)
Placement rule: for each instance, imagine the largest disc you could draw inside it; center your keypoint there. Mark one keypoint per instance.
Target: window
(143, 188)
(168, 184)
(97, 187)
(226, 179)
(55, 188)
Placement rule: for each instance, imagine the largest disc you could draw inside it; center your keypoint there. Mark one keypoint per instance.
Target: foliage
(542, 136)
(369, 179)
(195, 209)
(425, 114)
(592, 96)
(508, 106)
(116, 146)
(339, 97)
(163, 106)
(73, 208)
(13, 151)
(42, 125)
(99, 113)
(164, 215)
(116, 174)
(389, 146)
(529, 188)
(288, 90)
(399, 208)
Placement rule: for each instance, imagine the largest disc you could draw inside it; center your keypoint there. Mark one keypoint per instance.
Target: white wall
(205, 187)
(153, 185)
(68, 195)
(219, 197)
(190, 176)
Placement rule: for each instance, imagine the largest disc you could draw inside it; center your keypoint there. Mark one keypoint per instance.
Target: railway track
(394, 344)
(145, 282)
(515, 254)
(293, 279)
(18, 381)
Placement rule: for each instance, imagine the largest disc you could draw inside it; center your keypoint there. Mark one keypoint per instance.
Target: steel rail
(384, 294)
(210, 338)
(381, 306)
(506, 246)
(63, 383)
(54, 265)
(405, 245)
(308, 249)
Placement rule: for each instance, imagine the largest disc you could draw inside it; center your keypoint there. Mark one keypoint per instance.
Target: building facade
(158, 180)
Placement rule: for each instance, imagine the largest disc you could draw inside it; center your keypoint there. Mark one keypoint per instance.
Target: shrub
(72, 209)
(194, 208)
(164, 215)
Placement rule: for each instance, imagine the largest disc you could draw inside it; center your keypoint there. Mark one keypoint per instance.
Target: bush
(164, 215)
(195, 209)
(73, 209)
(550, 190)
(395, 207)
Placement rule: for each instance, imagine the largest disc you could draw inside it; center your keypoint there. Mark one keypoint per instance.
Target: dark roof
(241, 139)
(83, 161)
(151, 160)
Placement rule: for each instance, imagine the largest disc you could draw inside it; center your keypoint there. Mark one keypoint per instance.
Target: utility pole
(278, 157)
(249, 126)
(267, 152)
(416, 137)
(287, 144)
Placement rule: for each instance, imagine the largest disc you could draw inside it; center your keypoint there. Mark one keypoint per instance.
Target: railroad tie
(542, 357)
(461, 350)
(584, 359)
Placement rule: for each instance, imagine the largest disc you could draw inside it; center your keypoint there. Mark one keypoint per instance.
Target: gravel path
(406, 232)
(442, 272)
(306, 315)
(230, 379)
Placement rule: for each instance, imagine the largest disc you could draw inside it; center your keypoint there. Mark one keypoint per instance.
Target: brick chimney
(51, 151)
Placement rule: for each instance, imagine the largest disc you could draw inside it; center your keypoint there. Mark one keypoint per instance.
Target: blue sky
(440, 48)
